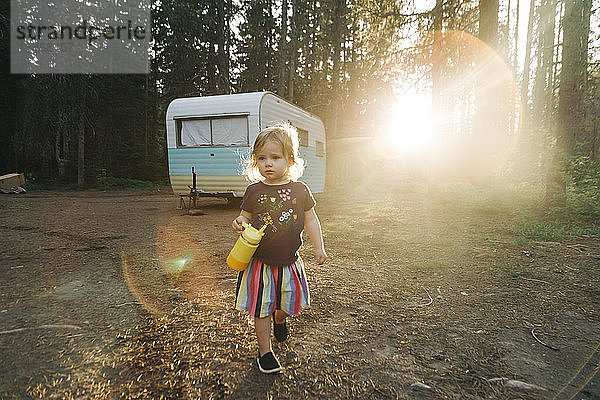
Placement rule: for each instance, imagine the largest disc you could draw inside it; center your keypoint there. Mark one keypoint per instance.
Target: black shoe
(268, 364)
(279, 330)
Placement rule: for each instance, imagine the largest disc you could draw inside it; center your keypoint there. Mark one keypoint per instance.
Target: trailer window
(302, 137)
(195, 132)
(226, 131)
(230, 131)
(320, 149)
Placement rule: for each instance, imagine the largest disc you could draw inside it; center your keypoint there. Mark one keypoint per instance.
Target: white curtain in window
(195, 132)
(230, 131)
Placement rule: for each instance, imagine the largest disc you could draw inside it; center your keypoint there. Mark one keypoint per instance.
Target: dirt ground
(121, 295)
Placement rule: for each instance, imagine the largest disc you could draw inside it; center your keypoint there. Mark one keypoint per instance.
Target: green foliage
(581, 213)
(583, 195)
(110, 183)
(32, 185)
(545, 231)
(556, 226)
(192, 42)
(343, 59)
(103, 182)
(106, 182)
(257, 53)
(519, 208)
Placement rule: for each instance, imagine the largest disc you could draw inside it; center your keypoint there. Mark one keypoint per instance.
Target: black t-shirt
(282, 207)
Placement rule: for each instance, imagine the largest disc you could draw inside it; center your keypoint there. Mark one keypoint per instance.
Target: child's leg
(280, 316)
(263, 334)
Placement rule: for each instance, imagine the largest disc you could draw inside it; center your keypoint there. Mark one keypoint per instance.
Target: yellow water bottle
(244, 248)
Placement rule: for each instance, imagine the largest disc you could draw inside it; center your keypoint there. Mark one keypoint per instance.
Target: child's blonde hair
(284, 134)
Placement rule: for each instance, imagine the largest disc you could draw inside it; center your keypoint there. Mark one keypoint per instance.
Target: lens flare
(176, 266)
(179, 266)
(409, 126)
(135, 284)
(473, 129)
(184, 258)
(479, 122)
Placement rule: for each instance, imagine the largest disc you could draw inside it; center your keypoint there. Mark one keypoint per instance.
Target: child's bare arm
(313, 227)
(244, 216)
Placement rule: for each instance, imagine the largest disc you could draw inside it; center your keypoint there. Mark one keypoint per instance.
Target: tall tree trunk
(282, 47)
(146, 107)
(527, 62)
(571, 96)
(293, 50)
(223, 83)
(271, 30)
(542, 95)
(485, 106)
(436, 60)
(81, 148)
(559, 39)
(338, 37)
(488, 22)
(527, 140)
(436, 89)
(548, 61)
(57, 157)
(312, 53)
(515, 62)
(585, 133)
(81, 87)
(506, 32)
(544, 71)
(211, 72)
(549, 48)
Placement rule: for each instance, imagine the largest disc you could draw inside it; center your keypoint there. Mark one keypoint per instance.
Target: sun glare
(409, 126)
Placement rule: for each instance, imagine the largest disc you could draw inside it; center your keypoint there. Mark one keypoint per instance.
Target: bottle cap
(252, 234)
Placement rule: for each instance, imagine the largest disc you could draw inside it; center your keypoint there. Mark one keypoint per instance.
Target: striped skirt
(262, 289)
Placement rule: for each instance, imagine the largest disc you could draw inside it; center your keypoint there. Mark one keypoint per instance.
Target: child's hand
(237, 224)
(320, 256)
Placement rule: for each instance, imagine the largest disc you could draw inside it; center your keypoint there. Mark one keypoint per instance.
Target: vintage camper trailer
(214, 134)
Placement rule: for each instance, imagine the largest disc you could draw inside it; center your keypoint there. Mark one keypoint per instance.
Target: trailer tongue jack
(194, 193)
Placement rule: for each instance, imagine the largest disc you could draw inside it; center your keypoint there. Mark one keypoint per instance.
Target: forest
(511, 89)
(461, 210)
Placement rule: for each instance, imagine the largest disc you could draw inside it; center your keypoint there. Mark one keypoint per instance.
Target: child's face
(272, 163)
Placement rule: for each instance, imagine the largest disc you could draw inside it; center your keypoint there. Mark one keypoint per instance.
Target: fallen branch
(551, 243)
(59, 327)
(511, 383)
(41, 327)
(430, 299)
(575, 246)
(542, 343)
(377, 389)
(420, 385)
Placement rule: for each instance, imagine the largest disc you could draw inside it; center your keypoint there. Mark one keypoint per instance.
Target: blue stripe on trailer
(227, 161)
(223, 161)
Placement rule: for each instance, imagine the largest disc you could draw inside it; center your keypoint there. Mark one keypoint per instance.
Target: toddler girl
(274, 285)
